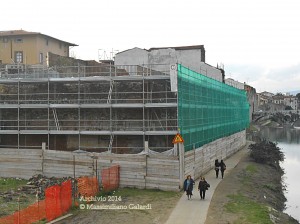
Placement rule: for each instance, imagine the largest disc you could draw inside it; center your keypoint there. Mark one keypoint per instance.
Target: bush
(266, 152)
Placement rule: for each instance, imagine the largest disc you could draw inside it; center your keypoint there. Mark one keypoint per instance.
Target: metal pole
(74, 174)
(48, 112)
(79, 120)
(18, 111)
(181, 163)
(144, 129)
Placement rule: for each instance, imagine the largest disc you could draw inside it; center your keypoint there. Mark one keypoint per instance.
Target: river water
(289, 141)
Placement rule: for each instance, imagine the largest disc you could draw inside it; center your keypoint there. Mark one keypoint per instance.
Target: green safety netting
(208, 109)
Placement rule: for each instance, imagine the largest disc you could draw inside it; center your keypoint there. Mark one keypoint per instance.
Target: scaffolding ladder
(110, 92)
(56, 119)
(110, 143)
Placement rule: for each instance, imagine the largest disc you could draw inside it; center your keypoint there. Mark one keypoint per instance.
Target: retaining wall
(199, 161)
(136, 170)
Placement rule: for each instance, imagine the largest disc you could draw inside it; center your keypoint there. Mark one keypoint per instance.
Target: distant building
(234, 83)
(252, 99)
(192, 57)
(278, 99)
(23, 47)
(267, 94)
(264, 98)
(291, 101)
(284, 100)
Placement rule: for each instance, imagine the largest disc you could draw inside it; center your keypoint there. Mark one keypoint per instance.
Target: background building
(193, 57)
(22, 47)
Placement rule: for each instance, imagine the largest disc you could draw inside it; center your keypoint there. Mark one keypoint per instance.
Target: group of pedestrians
(203, 185)
(220, 166)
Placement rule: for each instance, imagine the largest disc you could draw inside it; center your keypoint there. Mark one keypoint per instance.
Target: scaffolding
(208, 109)
(116, 108)
(94, 108)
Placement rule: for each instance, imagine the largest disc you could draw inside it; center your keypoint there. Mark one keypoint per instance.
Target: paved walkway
(194, 211)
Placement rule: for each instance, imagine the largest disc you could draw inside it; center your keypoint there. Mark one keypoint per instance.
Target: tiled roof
(23, 32)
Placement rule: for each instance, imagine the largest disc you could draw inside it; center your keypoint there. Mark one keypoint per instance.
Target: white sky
(257, 41)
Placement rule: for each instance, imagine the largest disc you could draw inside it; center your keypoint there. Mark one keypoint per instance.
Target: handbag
(207, 186)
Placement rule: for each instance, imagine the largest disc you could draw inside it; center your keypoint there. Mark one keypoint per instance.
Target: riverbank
(251, 193)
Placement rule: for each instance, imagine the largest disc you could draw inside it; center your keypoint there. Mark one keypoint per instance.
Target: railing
(88, 98)
(34, 72)
(90, 125)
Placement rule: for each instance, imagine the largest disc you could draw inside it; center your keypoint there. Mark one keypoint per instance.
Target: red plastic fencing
(31, 214)
(110, 178)
(66, 196)
(7, 219)
(87, 186)
(53, 205)
(58, 200)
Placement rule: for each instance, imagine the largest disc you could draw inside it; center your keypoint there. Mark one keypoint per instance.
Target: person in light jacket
(188, 186)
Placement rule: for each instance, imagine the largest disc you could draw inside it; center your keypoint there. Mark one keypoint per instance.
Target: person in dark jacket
(222, 167)
(202, 187)
(217, 167)
(188, 186)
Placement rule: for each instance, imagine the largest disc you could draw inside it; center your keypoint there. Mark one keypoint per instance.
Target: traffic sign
(177, 139)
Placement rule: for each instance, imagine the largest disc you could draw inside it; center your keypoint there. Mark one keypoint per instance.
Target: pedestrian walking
(188, 186)
(222, 167)
(202, 187)
(217, 167)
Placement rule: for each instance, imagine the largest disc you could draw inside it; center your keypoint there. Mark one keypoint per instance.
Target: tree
(288, 108)
(298, 96)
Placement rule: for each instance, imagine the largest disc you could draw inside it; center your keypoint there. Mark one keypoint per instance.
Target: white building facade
(192, 57)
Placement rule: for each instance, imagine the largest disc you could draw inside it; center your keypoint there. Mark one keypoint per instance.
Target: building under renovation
(117, 108)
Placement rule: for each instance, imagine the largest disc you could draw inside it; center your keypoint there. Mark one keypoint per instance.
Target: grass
(252, 128)
(247, 210)
(270, 186)
(247, 175)
(251, 168)
(11, 184)
(10, 206)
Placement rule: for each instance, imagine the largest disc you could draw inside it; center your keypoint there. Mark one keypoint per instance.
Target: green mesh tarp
(208, 109)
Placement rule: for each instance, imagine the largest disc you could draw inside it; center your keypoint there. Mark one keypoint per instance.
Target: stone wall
(201, 160)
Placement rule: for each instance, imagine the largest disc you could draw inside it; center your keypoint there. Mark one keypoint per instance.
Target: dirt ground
(162, 203)
(258, 183)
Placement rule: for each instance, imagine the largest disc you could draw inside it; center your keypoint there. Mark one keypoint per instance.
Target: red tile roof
(23, 32)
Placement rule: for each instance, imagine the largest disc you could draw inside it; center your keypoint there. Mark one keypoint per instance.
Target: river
(289, 141)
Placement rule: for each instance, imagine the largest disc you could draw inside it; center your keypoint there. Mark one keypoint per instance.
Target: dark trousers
(222, 172)
(202, 193)
(217, 173)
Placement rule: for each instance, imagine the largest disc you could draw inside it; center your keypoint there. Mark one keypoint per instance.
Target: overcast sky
(257, 41)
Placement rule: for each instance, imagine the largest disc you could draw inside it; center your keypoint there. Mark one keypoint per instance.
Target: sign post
(178, 141)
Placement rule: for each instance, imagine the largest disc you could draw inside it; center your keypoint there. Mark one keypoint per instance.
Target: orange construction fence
(58, 200)
(87, 186)
(110, 178)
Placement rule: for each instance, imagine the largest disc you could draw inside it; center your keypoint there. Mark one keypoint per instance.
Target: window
(41, 58)
(59, 45)
(19, 56)
(5, 39)
(47, 42)
(19, 40)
